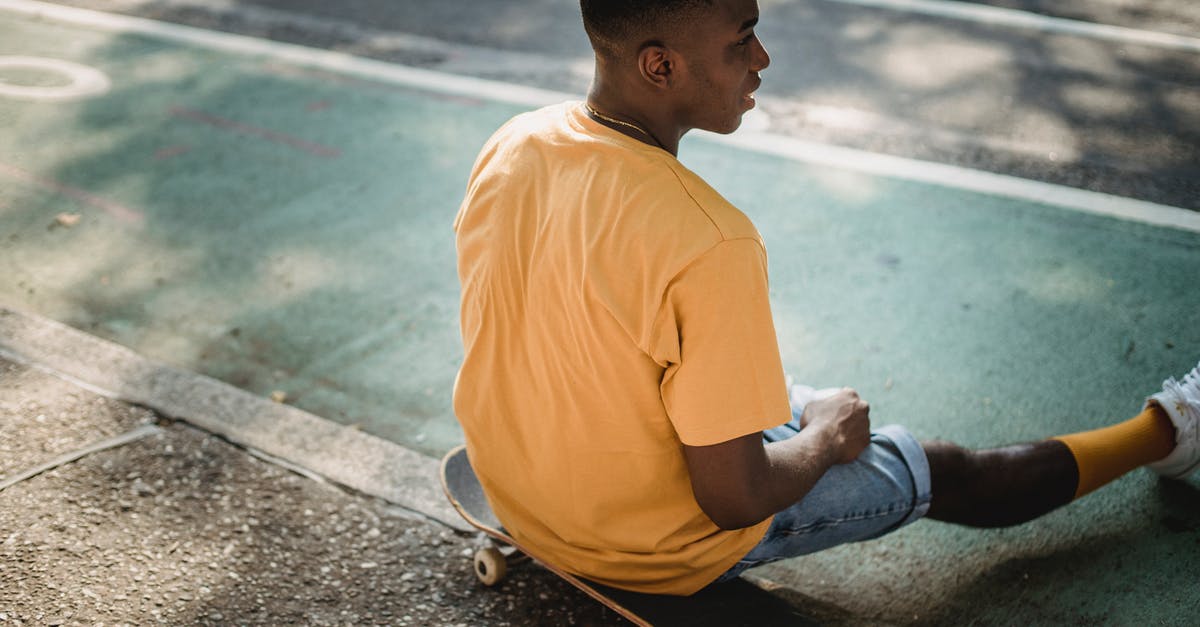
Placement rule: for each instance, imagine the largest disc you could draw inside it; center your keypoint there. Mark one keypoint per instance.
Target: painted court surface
(286, 228)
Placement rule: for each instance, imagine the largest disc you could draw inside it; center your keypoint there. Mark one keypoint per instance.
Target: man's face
(723, 57)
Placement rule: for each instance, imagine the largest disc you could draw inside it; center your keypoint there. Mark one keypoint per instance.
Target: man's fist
(843, 421)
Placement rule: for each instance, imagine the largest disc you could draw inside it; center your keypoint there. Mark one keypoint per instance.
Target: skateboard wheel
(490, 566)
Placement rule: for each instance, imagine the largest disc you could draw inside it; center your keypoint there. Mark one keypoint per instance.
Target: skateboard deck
(737, 602)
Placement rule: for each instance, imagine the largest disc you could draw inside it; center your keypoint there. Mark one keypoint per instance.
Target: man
(622, 394)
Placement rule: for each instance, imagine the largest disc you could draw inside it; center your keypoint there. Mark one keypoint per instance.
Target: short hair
(610, 24)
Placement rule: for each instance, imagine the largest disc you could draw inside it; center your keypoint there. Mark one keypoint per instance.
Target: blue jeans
(886, 488)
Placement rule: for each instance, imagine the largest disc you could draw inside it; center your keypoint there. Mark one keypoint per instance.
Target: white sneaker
(1181, 401)
(801, 395)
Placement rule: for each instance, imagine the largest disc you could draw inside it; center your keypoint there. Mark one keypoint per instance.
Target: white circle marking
(84, 81)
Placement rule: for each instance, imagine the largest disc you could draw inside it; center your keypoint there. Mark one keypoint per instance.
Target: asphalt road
(1091, 111)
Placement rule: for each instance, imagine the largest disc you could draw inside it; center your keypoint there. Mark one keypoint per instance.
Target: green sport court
(279, 218)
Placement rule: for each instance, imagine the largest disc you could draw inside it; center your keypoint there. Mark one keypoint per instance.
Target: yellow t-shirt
(614, 306)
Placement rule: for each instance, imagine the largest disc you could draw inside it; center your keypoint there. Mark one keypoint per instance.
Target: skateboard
(737, 602)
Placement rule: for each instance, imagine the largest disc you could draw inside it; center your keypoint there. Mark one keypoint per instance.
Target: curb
(338, 453)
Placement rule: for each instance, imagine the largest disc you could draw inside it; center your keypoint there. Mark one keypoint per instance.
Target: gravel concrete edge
(340, 454)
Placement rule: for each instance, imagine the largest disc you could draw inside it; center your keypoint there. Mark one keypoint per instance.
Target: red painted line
(254, 131)
(116, 210)
(170, 151)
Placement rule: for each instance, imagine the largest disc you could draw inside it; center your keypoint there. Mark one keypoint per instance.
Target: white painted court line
(999, 16)
(765, 143)
(965, 178)
(301, 55)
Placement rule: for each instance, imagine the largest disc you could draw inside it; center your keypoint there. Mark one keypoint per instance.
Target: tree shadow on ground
(281, 228)
(1148, 573)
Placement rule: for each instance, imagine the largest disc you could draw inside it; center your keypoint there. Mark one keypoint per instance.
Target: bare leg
(1001, 486)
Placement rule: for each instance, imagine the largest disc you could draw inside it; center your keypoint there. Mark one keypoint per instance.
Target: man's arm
(743, 481)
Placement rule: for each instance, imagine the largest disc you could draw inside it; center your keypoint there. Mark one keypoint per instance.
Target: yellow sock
(1105, 454)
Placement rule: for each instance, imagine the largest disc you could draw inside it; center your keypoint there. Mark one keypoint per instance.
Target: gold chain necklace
(597, 114)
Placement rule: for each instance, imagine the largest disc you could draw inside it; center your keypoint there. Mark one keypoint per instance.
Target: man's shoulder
(535, 143)
(709, 204)
(531, 125)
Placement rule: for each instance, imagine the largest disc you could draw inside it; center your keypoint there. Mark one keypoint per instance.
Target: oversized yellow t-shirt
(614, 306)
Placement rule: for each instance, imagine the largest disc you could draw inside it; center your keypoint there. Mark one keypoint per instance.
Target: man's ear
(658, 64)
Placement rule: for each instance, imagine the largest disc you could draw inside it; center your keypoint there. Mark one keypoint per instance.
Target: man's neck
(630, 118)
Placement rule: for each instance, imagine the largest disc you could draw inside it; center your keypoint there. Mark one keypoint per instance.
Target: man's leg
(1013, 484)
(1001, 486)
(897, 480)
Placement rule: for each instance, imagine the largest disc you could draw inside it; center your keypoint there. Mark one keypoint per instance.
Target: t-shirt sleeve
(726, 380)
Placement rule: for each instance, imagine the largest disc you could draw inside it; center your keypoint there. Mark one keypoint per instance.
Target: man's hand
(741, 482)
(843, 423)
